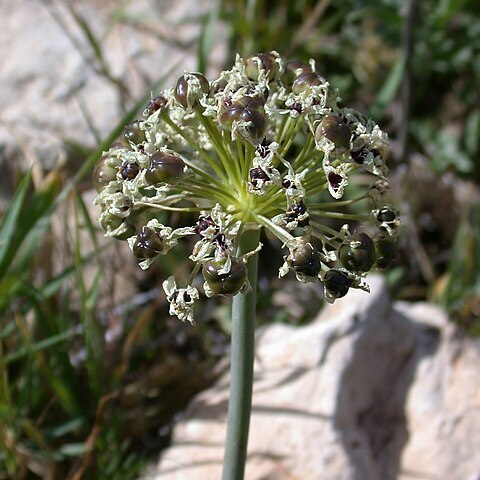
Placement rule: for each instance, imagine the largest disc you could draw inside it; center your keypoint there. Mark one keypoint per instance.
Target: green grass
(51, 410)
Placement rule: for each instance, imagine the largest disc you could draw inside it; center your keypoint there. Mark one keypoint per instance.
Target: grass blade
(207, 36)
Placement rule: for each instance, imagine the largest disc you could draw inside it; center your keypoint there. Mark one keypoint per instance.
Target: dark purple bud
(261, 61)
(148, 244)
(185, 95)
(248, 109)
(227, 284)
(130, 170)
(359, 156)
(295, 68)
(336, 283)
(358, 253)
(132, 133)
(386, 251)
(306, 261)
(333, 128)
(386, 215)
(156, 103)
(164, 168)
(305, 82)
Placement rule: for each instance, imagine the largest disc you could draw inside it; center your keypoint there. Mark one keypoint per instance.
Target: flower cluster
(263, 146)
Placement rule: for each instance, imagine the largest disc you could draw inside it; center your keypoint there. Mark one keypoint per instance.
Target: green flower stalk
(265, 146)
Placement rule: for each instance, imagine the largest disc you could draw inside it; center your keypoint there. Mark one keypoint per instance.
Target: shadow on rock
(371, 415)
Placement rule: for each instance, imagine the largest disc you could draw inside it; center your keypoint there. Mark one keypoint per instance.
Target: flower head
(265, 145)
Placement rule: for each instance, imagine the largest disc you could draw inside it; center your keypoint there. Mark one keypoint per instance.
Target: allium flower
(263, 146)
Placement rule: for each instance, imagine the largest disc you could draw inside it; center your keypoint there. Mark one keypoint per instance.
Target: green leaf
(472, 133)
(73, 449)
(207, 36)
(390, 87)
(67, 427)
(9, 228)
(39, 346)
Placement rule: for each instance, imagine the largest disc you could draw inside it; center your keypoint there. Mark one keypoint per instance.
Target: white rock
(369, 391)
(52, 90)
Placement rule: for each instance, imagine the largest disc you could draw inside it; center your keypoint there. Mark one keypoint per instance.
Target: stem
(241, 367)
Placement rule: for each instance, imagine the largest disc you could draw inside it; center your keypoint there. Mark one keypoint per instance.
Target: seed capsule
(306, 261)
(187, 96)
(386, 251)
(260, 61)
(132, 133)
(105, 171)
(251, 111)
(295, 68)
(239, 113)
(130, 170)
(156, 103)
(110, 223)
(336, 283)
(358, 254)
(305, 82)
(335, 130)
(164, 168)
(227, 284)
(386, 215)
(148, 244)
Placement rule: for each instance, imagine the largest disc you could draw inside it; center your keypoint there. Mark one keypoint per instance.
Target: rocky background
(371, 390)
(71, 70)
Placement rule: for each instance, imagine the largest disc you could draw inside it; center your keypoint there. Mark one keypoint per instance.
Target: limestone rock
(369, 391)
(443, 403)
(55, 91)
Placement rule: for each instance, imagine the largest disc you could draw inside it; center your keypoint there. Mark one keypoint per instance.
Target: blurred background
(93, 371)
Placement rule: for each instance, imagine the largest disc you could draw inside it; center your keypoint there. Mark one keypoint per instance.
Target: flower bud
(358, 253)
(305, 82)
(386, 215)
(132, 133)
(164, 168)
(249, 113)
(295, 68)
(129, 170)
(227, 284)
(156, 103)
(251, 104)
(336, 283)
(105, 171)
(261, 61)
(335, 130)
(110, 223)
(386, 251)
(306, 261)
(148, 244)
(190, 89)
